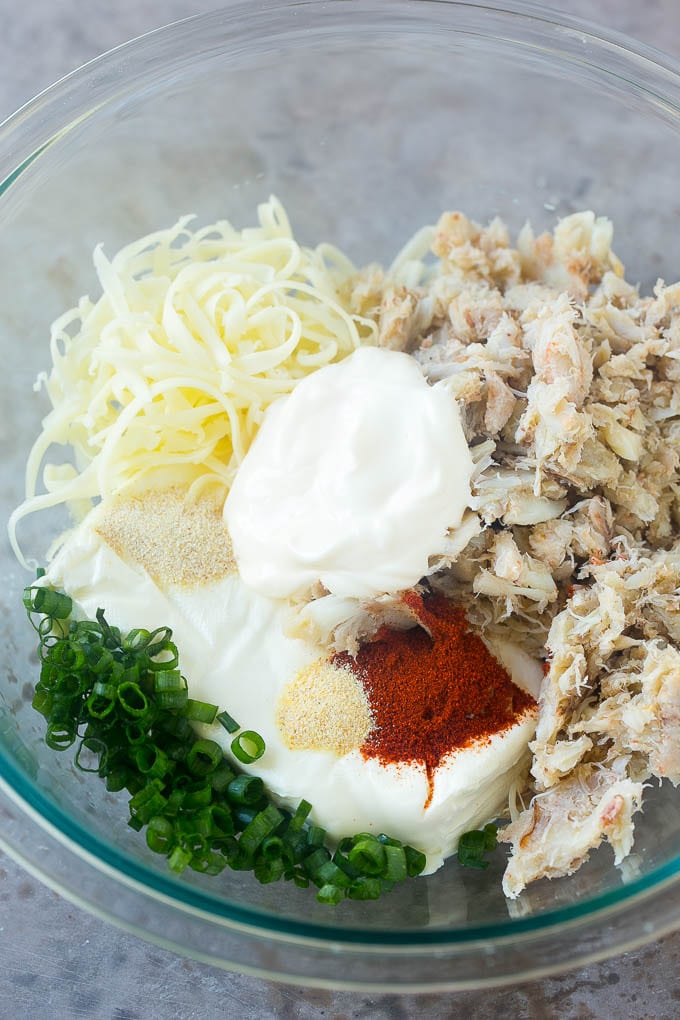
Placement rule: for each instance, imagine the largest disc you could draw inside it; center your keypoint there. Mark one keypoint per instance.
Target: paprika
(434, 688)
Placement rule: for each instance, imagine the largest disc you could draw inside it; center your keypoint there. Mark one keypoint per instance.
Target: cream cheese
(235, 653)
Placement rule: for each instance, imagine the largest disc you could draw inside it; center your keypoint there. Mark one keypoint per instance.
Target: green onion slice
(248, 747)
(300, 816)
(368, 855)
(331, 894)
(132, 698)
(245, 790)
(38, 599)
(230, 724)
(204, 757)
(473, 845)
(263, 824)
(172, 699)
(200, 711)
(159, 834)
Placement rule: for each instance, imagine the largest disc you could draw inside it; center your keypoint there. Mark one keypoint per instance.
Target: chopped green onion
(221, 777)
(132, 699)
(368, 855)
(99, 707)
(330, 874)
(244, 814)
(158, 640)
(473, 845)
(415, 861)
(300, 816)
(204, 757)
(195, 843)
(342, 862)
(230, 725)
(245, 790)
(58, 738)
(207, 862)
(175, 802)
(268, 870)
(179, 859)
(222, 820)
(203, 822)
(331, 894)
(151, 760)
(124, 701)
(148, 802)
(170, 680)
(263, 824)
(102, 662)
(116, 779)
(248, 746)
(315, 861)
(94, 746)
(136, 639)
(395, 870)
(159, 834)
(42, 702)
(365, 888)
(273, 847)
(200, 711)
(48, 602)
(170, 662)
(172, 699)
(104, 690)
(197, 795)
(490, 837)
(111, 635)
(68, 656)
(135, 732)
(316, 836)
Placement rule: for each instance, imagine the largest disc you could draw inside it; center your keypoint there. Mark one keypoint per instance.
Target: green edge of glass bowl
(132, 872)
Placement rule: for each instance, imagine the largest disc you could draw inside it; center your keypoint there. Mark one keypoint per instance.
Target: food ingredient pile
(569, 382)
(566, 388)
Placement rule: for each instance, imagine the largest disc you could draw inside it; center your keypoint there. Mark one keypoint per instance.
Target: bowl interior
(366, 125)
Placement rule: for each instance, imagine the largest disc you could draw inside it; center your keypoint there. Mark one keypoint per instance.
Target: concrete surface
(62, 963)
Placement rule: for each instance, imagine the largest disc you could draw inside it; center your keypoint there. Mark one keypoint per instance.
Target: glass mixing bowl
(367, 119)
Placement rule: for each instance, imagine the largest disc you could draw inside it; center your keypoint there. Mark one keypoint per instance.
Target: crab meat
(556, 833)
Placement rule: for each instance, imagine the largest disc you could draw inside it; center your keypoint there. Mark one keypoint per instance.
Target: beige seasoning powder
(185, 542)
(324, 708)
(177, 540)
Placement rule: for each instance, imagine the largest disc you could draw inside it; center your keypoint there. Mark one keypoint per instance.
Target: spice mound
(324, 708)
(176, 539)
(433, 689)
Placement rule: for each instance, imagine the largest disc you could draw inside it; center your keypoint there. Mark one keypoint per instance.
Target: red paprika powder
(433, 688)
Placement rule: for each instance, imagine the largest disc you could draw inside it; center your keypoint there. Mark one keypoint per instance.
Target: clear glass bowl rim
(69, 101)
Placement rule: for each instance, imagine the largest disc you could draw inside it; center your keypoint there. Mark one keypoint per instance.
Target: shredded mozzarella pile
(169, 372)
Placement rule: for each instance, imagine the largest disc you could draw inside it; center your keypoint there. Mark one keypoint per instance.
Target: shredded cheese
(165, 378)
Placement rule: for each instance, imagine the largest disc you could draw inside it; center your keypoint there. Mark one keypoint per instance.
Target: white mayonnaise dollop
(236, 654)
(354, 480)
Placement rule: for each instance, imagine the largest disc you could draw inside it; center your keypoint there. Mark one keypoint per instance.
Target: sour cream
(355, 479)
(235, 653)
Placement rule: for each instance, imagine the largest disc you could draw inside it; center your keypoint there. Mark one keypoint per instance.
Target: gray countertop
(61, 962)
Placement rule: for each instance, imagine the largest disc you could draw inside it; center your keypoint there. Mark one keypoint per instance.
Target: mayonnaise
(354, 480)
